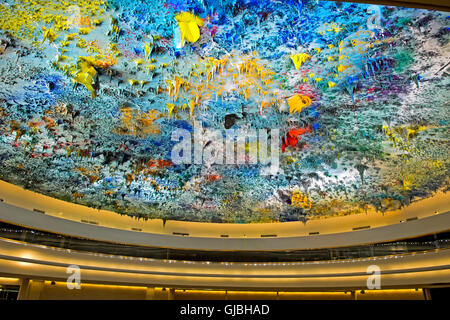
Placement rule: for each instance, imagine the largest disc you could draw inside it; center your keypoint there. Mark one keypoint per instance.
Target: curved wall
(39, 262)
(423, 217)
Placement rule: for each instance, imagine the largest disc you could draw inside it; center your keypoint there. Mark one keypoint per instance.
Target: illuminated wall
(133, 106)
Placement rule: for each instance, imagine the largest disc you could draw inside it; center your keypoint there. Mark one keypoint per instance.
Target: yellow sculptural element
(86, 65)
(86, 71)
(299, 200)
(407, 184)
(413, 132)
(81, 43)
(97, 22)
(138, 123)
(132, 82)
(49, 35)
(299, 59)
(189, 26)
(402, 134)
(211, 78)
(178, 83)
(342, 68)
(87, 80)
(298, 102)
(191, 108)
(84, 31)
(22, 17)
(61, 58)
(150, 67)
(147, 50)
(138, 62)
(70, 36)
(170, 107)
(86, 74)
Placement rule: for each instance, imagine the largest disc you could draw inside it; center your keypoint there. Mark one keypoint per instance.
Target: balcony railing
(432, 242)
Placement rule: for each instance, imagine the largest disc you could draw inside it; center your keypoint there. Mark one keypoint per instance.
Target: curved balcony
(402, 271)
(29, 209)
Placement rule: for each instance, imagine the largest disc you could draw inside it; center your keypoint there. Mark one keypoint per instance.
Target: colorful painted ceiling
(91, 93)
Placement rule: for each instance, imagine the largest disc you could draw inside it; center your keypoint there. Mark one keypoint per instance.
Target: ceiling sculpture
(132, 106)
